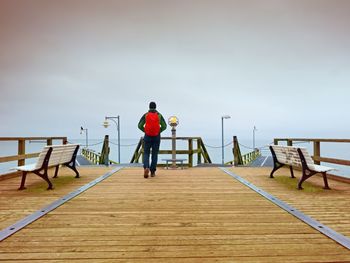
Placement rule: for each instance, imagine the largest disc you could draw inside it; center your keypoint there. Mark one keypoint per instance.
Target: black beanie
(152, 105)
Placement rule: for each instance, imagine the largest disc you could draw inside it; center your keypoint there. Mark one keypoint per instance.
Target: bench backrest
(289, 155)
(60, 154)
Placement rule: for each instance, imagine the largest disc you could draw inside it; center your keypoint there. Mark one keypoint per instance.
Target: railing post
(49, 141)
(289, 142)
(190, 152)
(21, 150)
(142, 150)
(317, 151)
(235, 151)
(104, 156)
(275, 141)
(199, 156)
(64, 140)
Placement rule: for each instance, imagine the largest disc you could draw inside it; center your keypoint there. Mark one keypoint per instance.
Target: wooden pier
(190, 215)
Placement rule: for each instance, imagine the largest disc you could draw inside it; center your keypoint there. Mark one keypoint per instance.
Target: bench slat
(60, 154)
(41, 158)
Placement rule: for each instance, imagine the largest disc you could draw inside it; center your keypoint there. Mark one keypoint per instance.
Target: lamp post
(222, 135)
(254, 130)
(86, 135)
(106, 124)
(173, 122)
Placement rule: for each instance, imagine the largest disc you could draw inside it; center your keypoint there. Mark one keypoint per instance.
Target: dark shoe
(153, 174)
(145, 173)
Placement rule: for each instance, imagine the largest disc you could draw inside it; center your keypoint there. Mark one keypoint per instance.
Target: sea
(213, 146)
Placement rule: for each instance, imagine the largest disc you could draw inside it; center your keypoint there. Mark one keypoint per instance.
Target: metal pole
(118, 139)
(222, 139)
(254, 137)
(254, 130)
(117, 123)
(173, 135)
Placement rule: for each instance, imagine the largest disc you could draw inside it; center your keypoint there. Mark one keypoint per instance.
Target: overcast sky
(280, 65)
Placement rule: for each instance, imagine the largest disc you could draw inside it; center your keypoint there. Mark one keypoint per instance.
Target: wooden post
(142, 150)
(289, 142)
(275, 141)
(199, 156)
(64, 140)
(49, 141)
(235, 151)
(317, 151)
(21, 150)
(190, 152)
(104, 152)
(237, 156)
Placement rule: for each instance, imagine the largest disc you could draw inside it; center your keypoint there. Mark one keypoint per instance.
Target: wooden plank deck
(191, 215)
(330, 207)
(15, 205)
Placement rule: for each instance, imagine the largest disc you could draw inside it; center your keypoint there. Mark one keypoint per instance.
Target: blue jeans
(151, 142)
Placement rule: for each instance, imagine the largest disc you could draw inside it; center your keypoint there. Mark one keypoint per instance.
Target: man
(152, 124)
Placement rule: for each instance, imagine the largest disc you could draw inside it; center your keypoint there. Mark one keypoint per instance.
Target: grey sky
(280, 65)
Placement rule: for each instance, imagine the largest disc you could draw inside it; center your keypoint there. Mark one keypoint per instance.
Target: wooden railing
(95, 157)
(22, 155)
(242, 159)
(250, 157)
(200, 150)
(317, 148)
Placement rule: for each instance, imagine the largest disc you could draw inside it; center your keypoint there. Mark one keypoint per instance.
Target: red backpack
(152, 126)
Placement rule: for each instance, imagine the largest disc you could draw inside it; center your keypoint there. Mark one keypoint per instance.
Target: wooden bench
(51, 156)
(176, 161)
(298, 157)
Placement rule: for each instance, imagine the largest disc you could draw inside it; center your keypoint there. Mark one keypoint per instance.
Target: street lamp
(86, 135)
(222, 135)
(106, 124)
(254, 130)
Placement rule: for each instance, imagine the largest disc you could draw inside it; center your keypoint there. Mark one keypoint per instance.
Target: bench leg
(76, 172)
(56, 171)
(275, 168)
(23, 180)
(306, 175)
(300, 183)
(291, 171)
(74, 169)
(46, 178)
(326, 186)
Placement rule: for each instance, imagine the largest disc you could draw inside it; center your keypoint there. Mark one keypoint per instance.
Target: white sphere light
(173, 121)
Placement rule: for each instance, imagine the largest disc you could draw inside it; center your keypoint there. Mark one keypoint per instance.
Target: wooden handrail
(312, 140)
(31, 138)
(18, 157)
(181, 138)
(242, 159)
(94, 157)
(331, 160)
(22, 155)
